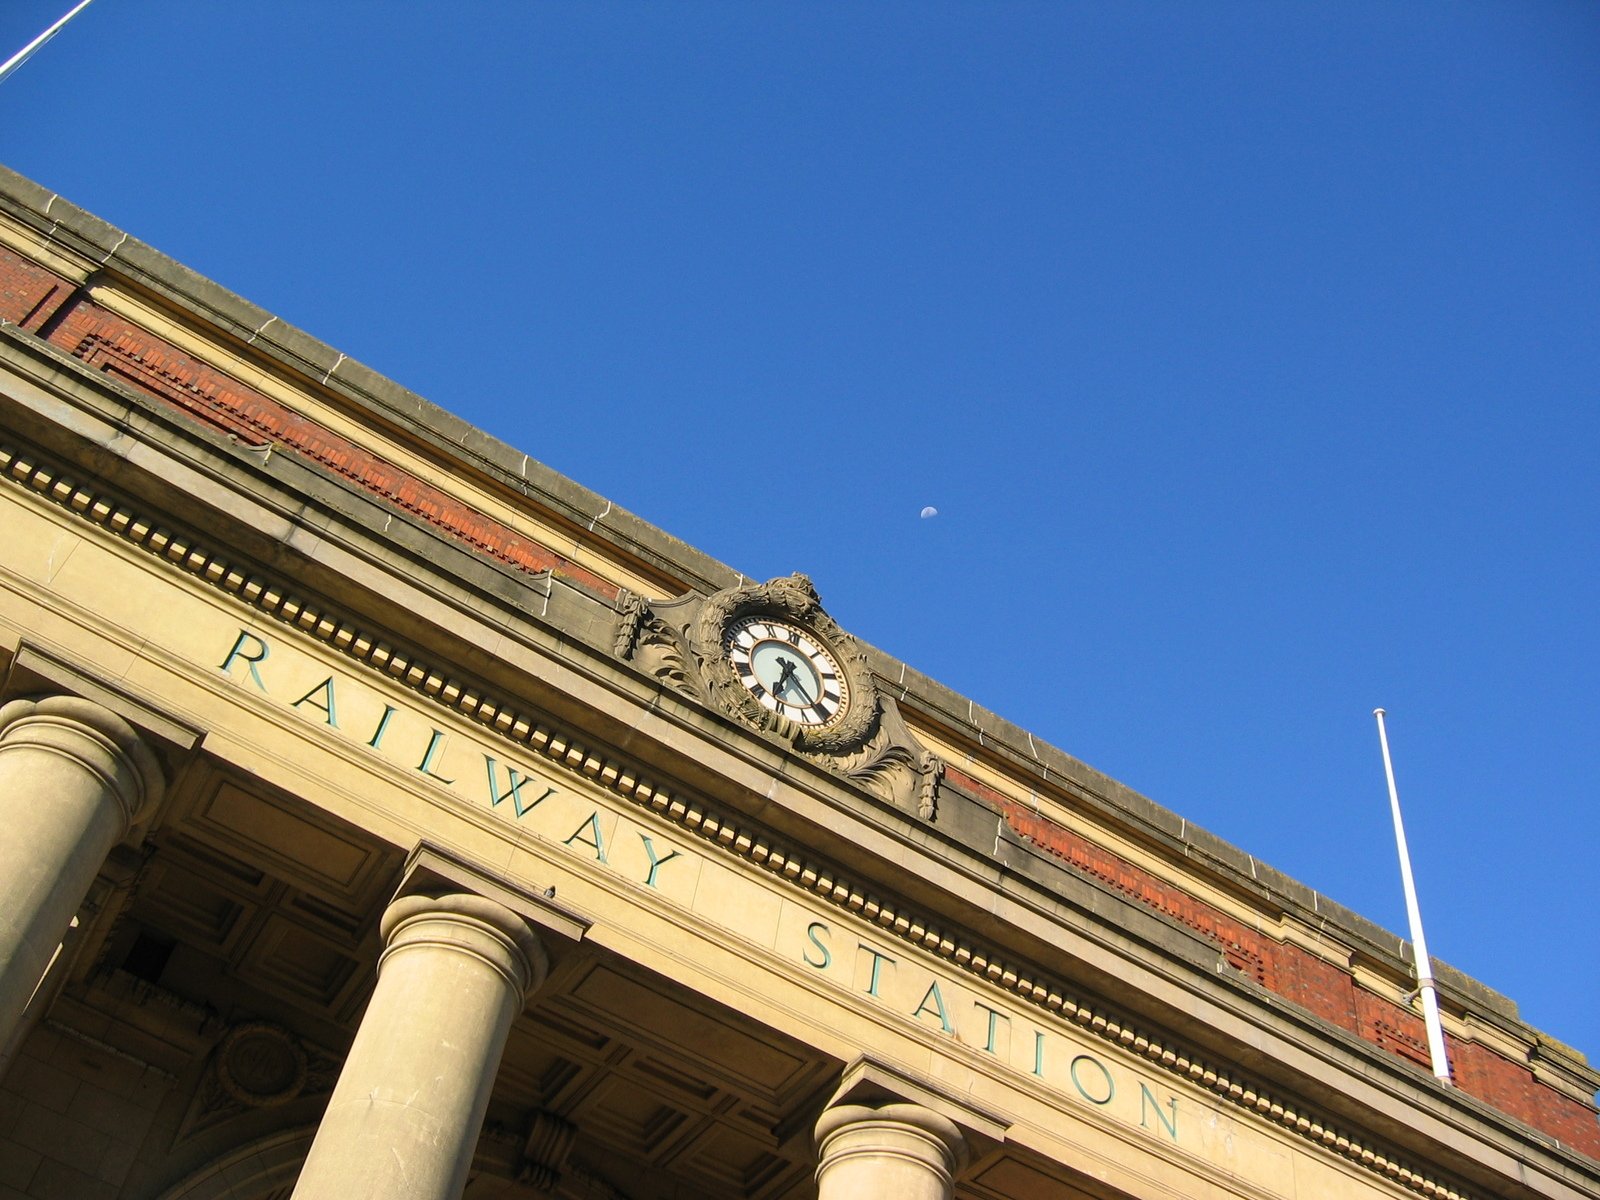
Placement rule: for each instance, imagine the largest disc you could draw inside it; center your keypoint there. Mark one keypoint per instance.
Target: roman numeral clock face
(787, 670)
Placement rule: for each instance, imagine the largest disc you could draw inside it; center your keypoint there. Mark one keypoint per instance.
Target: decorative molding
(539, 1164)
(256, 1065)
(645, 639)
(559, 746)
(261, 1065)
(932, 770)
(208, 395)
(545, 1151)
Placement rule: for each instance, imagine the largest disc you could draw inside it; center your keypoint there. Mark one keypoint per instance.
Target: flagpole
(23, 55)
(1419, 945)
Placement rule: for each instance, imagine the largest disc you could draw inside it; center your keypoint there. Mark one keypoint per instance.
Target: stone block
(57, 1181)
(43, 1084)
(17, 1164)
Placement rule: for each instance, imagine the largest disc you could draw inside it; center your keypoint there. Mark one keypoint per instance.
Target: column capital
(894, 1149)
(74, 777)
(873, 1125)
(887, 1132)
(94, 738)
(467, 924)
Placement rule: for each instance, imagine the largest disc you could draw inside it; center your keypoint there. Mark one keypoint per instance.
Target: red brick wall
(28, 294)
(1322, 987)
(104, 340)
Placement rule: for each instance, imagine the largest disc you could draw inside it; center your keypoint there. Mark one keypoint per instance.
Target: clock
(787, 670)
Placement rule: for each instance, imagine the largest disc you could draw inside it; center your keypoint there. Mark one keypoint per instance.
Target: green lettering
(594, 839)
(1111, 1087)
(877, 962)
(995, 1017)
(325, 690)
(1148, 1104)
(827, 956)
(252, 659)
(514, 791)
(655, 863)
(435, 744)
(937, 1009)
(383, 724)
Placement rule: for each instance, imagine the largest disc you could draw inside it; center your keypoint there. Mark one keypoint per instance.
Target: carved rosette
(261, 1065)
(256, 1065)
(684, 643)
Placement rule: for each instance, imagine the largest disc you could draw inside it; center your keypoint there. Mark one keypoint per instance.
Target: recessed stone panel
(306, 850)
(295, 961)
(1009, 1177)
(740, 1163)
(641, 1122)
(185, 906)
(657, 1017)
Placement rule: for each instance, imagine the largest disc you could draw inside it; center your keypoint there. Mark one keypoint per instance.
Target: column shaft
(73, 777)
(409, 1105)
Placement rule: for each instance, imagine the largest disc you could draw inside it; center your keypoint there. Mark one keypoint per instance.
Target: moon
(929, 511)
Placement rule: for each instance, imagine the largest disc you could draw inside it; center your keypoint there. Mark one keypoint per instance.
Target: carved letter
(937, 1010)
(995, 1017)
(325, 690)
(383, 724)
(514, 791)
(252, 659)
(877, 961)
(435, 744)
(1148, 1103)
(594, 839)
(655, 863)
(1111, 1087)
(827, 955)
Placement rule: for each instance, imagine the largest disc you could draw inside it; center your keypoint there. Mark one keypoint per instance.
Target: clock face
(787, 670)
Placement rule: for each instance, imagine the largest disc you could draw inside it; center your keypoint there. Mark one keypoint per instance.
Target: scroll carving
(645, 639)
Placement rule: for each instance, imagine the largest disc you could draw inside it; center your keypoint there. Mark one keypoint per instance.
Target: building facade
(388, 816)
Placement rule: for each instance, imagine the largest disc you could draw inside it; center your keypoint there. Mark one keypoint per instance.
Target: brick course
(1321, 987)
(101, 339)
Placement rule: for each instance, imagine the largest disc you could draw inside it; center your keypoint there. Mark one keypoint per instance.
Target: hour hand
(786, 676)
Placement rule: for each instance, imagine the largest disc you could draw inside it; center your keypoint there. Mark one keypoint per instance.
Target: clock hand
(783, 677)
(787, 677)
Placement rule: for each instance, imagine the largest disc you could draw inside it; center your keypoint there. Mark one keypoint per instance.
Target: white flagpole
(23, 55)
(1419, 946)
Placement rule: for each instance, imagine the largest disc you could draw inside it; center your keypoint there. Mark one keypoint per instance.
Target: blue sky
(1248, 351)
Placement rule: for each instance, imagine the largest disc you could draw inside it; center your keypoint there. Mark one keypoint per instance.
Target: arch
(263, 1169)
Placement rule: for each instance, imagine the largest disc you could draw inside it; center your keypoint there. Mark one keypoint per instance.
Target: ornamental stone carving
(770, 657)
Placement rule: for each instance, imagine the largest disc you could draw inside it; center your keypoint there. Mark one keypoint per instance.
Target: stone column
(898, 1151)
(409, 1105)
(73, 778)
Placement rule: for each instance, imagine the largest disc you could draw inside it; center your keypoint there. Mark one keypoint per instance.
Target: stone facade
(388, 816)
